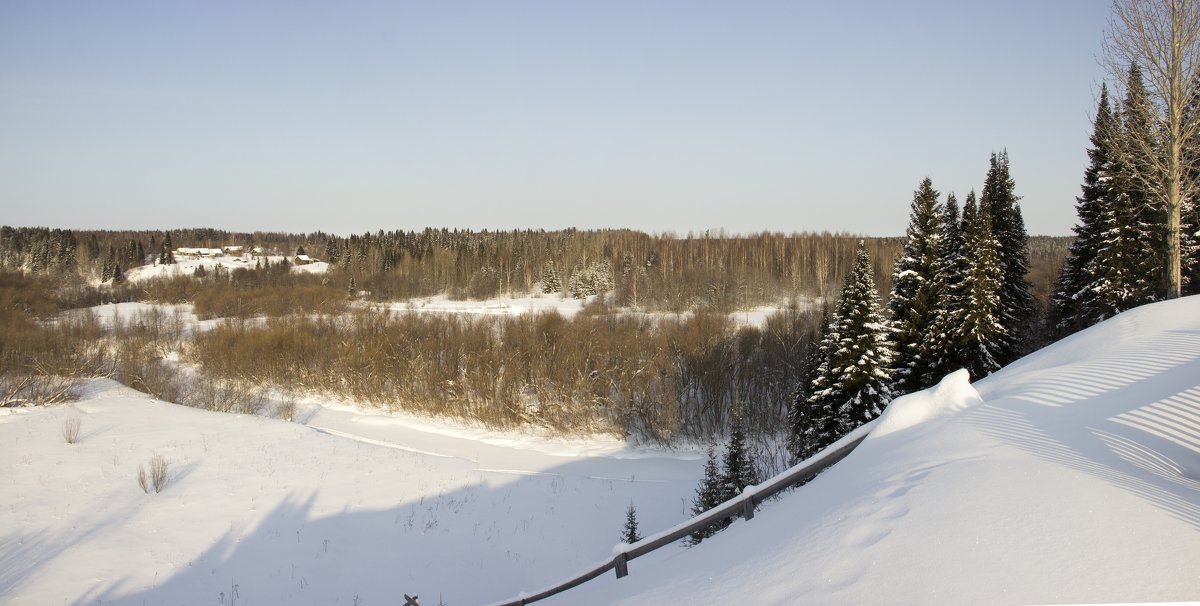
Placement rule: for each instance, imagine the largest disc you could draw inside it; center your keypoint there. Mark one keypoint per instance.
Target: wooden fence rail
(742, 505)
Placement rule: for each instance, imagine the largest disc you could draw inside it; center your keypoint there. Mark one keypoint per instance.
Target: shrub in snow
(157, 476)
(287, 410)
(70, 429)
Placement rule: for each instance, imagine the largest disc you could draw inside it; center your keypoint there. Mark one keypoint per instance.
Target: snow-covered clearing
(1072, 476)
(186, 266)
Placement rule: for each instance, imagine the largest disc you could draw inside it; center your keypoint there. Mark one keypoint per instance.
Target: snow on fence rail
(742, 505)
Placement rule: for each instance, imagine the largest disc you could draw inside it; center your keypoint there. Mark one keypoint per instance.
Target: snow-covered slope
(1071, 476)
(186, 266)
(352, 508)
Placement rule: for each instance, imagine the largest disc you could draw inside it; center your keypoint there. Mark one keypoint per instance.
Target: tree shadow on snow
(1130, 418)
(483, 542)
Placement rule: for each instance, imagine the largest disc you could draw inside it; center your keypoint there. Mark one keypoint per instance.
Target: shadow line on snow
(1130, 424)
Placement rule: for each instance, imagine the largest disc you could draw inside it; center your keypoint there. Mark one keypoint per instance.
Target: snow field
(276, 512)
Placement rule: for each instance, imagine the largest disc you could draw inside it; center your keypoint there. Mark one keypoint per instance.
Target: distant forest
(665, 272)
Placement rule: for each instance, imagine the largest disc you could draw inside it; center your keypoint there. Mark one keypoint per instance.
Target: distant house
(305, 260)
(233, 250)
(192, 253)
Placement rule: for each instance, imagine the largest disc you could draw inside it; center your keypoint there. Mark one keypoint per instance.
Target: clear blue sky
(655, 115)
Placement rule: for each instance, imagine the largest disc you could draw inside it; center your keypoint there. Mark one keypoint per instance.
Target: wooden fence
(742, 505)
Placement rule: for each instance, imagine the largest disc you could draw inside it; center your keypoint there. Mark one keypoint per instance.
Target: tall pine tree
(1000, 202)
(917, 286)
(939, 354)
(1126, 269)
(981, 338)
(166, 256)
(803, 429)
(1141, 215)
(1189, 214)
(1073, 299)
(853, 382)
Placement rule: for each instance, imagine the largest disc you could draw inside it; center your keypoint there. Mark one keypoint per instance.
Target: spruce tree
(1190, 245)
(1126, 269)
(106, 268)
(917, 290)
(708, 495)
(332, 252)
(981, 338)
(551, 282)
(166, 255)
(1141, 214)
(803, 429)
(853, 381)
(629, 534)
(1072, 298)
(738, 469)
(1189, 214)
(1008, 230)
(939, 355)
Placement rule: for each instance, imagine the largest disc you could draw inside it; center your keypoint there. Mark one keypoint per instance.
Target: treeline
(600, 371)
(658, 272)
(634, 269)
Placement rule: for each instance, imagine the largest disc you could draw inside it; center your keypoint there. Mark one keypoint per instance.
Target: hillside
(1071, 476)
(342, 506)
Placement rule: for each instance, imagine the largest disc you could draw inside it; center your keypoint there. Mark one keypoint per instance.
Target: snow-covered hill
(1072, 476)
(345, 507)
(187, 266)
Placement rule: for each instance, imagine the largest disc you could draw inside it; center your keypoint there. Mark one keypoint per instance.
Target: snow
(366, 506)
(953, 393)
(186, 266)
(515, 305)
(1072, 476)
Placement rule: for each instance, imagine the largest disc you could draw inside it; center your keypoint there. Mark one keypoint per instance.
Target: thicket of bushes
(625, 374)
(40, 360)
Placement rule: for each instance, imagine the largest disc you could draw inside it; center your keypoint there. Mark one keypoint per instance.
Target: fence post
(622, 565)
(748, 508)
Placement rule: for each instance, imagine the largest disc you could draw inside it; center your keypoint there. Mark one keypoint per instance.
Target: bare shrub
(158, 472)
(142, 480)
(140, 366)
(286, 410)
(70, 429)
(157, 475)
(27, 388)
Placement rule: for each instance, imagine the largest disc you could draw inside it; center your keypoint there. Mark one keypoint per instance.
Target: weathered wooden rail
(742, 505)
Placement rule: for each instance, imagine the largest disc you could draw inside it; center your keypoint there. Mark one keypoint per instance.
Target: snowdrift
(1071, 476)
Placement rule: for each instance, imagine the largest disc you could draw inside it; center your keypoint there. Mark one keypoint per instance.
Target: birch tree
(1163, 38)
